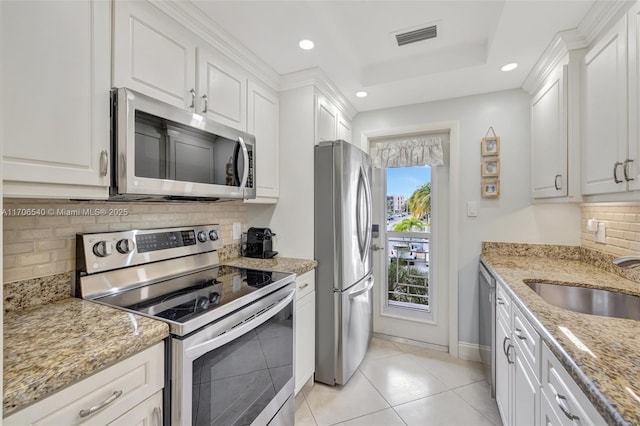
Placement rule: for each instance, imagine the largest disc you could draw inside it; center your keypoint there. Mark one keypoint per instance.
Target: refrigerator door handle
(363, 202)
(366, 288)
(369, 212)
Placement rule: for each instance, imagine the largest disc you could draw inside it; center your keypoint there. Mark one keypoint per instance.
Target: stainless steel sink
(589, 300)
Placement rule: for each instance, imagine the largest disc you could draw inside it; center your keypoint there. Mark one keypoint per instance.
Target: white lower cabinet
(526, 393)
(532, 387)
(305, 329)
(147, 413)
(127, 393)
(564, 401)
(517, 365)
(503, 369)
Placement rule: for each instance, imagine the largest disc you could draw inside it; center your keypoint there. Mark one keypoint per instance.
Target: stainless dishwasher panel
(487, 325)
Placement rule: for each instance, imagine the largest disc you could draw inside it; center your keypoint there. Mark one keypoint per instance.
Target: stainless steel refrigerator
(344, 276)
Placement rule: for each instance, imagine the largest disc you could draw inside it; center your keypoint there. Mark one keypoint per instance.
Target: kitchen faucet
(627, 261)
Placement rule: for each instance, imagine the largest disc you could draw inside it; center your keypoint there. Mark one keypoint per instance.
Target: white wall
(512, 217)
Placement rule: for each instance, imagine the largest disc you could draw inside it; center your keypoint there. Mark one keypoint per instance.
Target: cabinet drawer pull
(103, 404)
(615, 172)
(626, 170)
(560, 401)
(193, 98)
(157, 415)
(205, 98)
(104, 163)
(556, 184)
(302, 287)
(520, 336)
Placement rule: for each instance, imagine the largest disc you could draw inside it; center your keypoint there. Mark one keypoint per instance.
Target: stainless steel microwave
(160, 151)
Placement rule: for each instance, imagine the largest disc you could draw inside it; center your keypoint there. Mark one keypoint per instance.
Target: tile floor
(400, 384)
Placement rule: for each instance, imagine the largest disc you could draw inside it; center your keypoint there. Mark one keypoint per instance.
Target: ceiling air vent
(417, 35)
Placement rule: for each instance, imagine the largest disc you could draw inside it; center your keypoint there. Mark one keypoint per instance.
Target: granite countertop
(607, 367)
(55, 345)
(282, 264)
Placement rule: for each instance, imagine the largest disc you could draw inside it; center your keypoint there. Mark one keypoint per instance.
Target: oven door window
(234, 383)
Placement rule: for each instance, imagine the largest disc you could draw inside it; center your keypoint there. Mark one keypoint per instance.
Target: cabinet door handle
(205, 98)
(193, 98)
(504, 349)
(519, 335)
(626, 170)
(157, 415)
(615, 172)
(560, 399)
(103, 404)
(509, 360)
(556, 184)
(104, 163)
(305, 285)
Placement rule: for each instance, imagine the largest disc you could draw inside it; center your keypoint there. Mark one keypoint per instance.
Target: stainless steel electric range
(231, 345)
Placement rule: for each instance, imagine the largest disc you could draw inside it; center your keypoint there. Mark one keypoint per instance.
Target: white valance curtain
(414, 152)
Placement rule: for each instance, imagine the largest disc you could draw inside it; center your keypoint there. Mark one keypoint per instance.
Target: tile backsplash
(39, 235)
(622, 222)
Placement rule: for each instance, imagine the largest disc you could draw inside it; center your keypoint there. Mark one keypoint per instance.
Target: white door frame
(454, 166)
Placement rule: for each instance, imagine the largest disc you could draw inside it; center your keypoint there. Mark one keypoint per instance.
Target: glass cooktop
(190, 296)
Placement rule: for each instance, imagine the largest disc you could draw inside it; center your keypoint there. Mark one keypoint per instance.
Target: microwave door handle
(245, 156)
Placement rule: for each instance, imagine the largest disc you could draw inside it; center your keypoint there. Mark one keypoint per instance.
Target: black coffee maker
(259, 243)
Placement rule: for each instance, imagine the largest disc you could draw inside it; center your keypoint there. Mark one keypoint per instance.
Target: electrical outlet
(237, 232)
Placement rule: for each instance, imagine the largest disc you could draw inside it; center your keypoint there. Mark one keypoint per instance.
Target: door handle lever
(376, 247)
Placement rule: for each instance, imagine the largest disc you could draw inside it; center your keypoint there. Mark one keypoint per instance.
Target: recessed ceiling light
(306, 44)
(361, 94)
(509, 67)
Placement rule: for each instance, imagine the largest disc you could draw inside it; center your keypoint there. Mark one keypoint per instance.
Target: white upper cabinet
(162, 58)
(263, 122)
(55, 98)
(157, 56)
(330, 123)
(222, 90)
(549, 137)
(327, 121)
(152, 54)
(604, 115)
(632, 162)
(344, 129)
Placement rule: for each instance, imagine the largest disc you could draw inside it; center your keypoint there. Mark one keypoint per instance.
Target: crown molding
(556, 53)
(317, 78)
(189, 15)
(599, 19)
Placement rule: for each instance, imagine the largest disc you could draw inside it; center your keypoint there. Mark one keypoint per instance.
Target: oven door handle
(239, 329)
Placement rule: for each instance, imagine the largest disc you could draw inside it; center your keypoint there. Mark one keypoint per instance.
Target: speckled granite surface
(608, 372)
(36, 291)
(57, 344)
(284, 264)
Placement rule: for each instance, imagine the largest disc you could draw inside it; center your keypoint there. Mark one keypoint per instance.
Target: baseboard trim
(469, 351)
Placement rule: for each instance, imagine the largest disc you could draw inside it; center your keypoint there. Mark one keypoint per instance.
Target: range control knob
(213, 235)
(125, 246)
(102, 248)
(202, 237)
